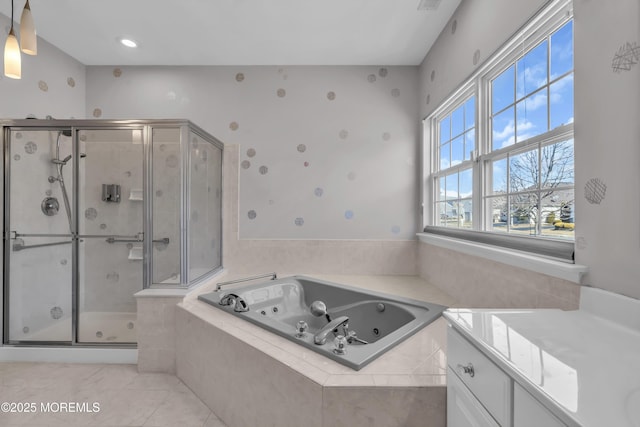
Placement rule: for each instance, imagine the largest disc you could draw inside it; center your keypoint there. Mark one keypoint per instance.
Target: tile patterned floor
(58, 394)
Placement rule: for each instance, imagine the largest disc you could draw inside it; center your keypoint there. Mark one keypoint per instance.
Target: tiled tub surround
(482, 283)
(342, 257)
(249, 376)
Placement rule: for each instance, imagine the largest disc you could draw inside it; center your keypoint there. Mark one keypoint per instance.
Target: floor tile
(60, 394)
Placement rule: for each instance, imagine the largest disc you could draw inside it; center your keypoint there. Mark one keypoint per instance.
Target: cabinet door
(528, 412)
(488, 383)
(463, 409)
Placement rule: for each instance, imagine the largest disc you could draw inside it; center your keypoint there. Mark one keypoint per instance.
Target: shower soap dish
(135, 194)
(135, 253)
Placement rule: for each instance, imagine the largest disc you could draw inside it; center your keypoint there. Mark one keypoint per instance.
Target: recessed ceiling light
(128, 43)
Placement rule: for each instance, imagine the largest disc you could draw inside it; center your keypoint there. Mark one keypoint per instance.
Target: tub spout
(238, 303)
(321, 337)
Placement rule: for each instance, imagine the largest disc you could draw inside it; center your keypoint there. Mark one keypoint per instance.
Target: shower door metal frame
(46, 126)
(52, 126)
(187, 200)
(147, 127)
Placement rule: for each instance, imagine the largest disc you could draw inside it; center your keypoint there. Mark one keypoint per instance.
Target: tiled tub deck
(250, 377)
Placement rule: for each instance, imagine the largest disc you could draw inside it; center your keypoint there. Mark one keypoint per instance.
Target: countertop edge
(544, 399)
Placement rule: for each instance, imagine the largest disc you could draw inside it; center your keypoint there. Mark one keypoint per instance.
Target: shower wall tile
(482, 283)
(325, 152)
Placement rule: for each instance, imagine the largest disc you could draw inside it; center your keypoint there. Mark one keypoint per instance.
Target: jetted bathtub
(367, 323)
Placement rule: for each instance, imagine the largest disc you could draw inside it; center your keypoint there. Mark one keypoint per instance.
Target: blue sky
(522, 106)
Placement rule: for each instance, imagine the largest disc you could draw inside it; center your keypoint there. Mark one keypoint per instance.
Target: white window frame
(479, 85)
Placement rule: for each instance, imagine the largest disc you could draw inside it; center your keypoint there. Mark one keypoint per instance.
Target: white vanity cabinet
(480, 394)
(528, 412)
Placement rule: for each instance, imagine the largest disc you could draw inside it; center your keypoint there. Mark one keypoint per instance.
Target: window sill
(561, 270)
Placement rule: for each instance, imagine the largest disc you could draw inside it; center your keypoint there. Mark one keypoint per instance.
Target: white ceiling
(239, 32)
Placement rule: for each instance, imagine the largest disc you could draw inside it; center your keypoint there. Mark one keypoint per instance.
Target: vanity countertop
(581, 366)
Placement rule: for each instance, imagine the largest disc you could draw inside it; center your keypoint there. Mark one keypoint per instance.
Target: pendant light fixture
(28, 38)
(12, 66)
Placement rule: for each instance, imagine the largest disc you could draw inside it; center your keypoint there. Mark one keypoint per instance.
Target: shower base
(93, 327)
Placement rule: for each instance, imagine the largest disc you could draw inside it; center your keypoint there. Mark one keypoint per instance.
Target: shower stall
(97, 210)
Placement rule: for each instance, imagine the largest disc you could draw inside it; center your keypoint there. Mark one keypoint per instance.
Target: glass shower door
(38, 246)
(110, 213)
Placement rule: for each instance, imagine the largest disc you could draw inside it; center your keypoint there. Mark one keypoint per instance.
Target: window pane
(457, 151)
(562, 50)
(469, 144)
(532, 71)
(457, 121)
(470, 113)
(524, 214)
(557, 214)
(441, 213)
(502, 90)
(445, 130)
(503, 129)
(531, 115)
(498, 213)
(561, 93)
(466, 183)
(452, 186)
(445, 156)
(442, 186)
(523, 171)
(465, 216)
(499, 176)
(557, 165)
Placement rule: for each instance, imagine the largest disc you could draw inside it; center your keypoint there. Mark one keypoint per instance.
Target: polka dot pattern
(234, 126)
(476, 57)
(43, 86)
(239, 77)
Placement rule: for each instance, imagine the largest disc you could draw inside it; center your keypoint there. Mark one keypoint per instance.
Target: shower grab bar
(273, 276)
(14, 235)
(18, 246)
(125, 240)
(136, 239)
